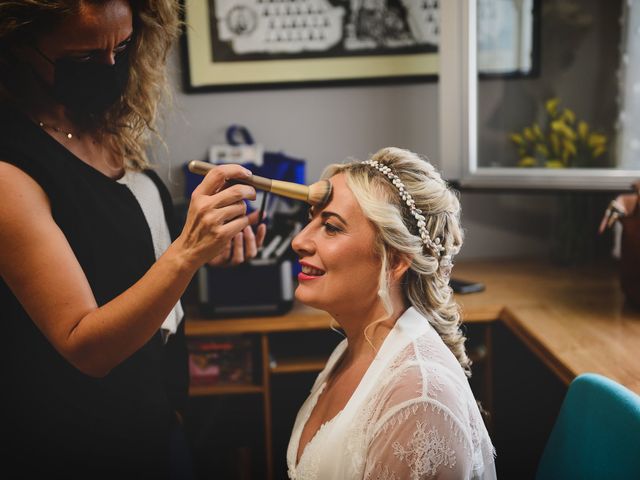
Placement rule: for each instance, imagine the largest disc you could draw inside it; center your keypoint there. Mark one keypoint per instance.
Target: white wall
(325, 125)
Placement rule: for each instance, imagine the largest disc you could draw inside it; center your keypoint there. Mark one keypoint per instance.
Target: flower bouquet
(562, 141)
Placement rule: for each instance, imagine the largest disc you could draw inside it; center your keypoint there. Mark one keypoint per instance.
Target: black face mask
(89, 87)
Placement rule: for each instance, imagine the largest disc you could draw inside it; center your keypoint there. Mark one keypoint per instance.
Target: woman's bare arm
(40, 268)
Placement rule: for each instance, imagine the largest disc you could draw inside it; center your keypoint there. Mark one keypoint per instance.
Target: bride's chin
(307, 299)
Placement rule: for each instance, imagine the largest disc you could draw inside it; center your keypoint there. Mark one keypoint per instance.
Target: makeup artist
(93, 358)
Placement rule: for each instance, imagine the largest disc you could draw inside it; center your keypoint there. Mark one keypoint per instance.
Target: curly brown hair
(132, 120)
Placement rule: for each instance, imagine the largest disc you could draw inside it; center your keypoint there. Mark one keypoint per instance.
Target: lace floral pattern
(382, 472)
(413, 416)
(309, 469)
(425, 452)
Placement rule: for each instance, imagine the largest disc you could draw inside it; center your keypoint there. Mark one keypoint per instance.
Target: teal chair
(596, 434)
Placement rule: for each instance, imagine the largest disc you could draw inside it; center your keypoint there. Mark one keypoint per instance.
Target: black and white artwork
(236, 44)
(288, 29)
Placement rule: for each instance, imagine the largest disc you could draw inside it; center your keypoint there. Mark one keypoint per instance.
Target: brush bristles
(320, 193)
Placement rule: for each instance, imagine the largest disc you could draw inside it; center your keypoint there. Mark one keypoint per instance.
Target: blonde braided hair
(426, 282)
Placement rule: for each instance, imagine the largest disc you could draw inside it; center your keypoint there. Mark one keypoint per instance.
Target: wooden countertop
(575, 319)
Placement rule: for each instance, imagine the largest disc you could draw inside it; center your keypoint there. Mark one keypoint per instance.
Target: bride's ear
(399, 264)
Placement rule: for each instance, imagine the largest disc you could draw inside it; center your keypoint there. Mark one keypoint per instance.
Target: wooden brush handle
(279, 187)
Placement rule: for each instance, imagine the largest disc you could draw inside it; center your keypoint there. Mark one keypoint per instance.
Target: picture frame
(266, 44)
(235, 46)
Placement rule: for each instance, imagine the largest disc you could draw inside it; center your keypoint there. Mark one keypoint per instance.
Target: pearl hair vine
(436, 246)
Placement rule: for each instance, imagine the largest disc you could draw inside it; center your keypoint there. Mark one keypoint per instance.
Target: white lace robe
(413, 416)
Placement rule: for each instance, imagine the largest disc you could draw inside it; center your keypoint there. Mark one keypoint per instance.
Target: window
(557, 101)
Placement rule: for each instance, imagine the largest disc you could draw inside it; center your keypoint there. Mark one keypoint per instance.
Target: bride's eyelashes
(331, 229)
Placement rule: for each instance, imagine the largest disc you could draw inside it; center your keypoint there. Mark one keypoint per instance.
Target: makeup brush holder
(256, 288)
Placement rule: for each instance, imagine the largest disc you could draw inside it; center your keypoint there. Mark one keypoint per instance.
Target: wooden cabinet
(271, 361)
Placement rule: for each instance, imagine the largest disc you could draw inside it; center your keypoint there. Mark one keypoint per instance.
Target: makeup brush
(316, 194)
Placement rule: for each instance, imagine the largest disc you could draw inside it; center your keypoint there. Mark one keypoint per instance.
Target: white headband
(408, 199)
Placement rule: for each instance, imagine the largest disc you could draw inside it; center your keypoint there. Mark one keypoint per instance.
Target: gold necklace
(43, 125)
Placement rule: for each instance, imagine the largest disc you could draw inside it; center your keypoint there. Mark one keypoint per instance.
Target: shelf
(298, 365)
(202, 390)
(300, 318)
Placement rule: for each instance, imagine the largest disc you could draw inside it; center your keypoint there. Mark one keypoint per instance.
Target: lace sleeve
(419, 440)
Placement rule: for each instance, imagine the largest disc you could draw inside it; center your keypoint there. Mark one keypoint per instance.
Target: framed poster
(258, 44)
(251, 44)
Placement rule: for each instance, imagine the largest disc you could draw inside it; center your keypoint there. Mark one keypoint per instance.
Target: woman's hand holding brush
(217, 230)
(316, 194)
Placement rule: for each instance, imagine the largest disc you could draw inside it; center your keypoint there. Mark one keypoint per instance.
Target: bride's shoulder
(423, 373)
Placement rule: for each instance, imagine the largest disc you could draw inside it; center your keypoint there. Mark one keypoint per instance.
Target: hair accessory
(408, 199)
(446, 265)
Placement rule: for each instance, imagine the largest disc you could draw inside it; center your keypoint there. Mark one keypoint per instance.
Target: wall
(328, 125)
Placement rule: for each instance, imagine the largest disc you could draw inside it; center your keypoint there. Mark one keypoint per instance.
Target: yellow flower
(598, 151)
(554, 164)
(583, 130)
(527, 162)
(570, 133)
(528, 134)
(517, 138)
(560, 127)
(552, 106)
(557, 126)
(570, 147)
(542, 149)
(561, 137)
(538, 131)
(596, 140)
(568, 115)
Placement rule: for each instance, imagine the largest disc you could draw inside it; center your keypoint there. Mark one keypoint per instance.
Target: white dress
(413, 416)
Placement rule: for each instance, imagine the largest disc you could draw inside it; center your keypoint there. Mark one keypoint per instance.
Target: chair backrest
(596, 434)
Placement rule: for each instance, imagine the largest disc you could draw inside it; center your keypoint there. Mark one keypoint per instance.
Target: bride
(393, 401)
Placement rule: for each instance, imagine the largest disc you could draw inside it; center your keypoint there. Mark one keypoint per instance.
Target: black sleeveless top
(55, 419)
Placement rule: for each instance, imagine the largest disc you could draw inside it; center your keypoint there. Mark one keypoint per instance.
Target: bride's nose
(302, 243)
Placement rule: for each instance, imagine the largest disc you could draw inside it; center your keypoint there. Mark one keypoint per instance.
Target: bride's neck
(367, 327)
